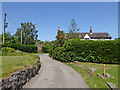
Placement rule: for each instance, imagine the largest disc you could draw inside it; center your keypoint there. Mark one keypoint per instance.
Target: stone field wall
(16, 80)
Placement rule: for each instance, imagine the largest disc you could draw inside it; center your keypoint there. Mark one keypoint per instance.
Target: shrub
(78, 59)
(23, 47)
(45, 49)
(88, 51)
(6, 50)
(50, 51)
(67, 56)
(57, 52)
(61, 54)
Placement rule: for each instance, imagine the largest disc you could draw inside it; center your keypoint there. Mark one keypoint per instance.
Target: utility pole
(4, 28)
(21, 36)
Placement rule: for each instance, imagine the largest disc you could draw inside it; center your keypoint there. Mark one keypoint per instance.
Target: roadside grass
(11, 64)
(16, 53)
(0, 53)
(91, 78)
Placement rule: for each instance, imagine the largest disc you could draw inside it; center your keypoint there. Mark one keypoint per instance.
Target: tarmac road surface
(54, 74)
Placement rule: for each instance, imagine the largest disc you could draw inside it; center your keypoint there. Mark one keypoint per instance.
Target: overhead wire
(12, 22)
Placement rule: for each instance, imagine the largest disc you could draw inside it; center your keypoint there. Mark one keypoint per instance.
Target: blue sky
(102, 16)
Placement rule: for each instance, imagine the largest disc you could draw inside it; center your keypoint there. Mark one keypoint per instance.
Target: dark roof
(93, 35)
(41, 45)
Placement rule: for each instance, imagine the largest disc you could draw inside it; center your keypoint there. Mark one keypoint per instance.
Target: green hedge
(62, 55)
(23, 47)
(45, 49)
(7, 51)
(88, 51)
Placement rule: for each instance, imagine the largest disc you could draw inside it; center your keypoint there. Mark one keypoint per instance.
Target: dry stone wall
(18, 79)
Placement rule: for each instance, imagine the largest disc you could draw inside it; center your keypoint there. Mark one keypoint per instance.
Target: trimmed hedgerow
(23, 47)
(62, 55)
(88, 51)
(45, 49)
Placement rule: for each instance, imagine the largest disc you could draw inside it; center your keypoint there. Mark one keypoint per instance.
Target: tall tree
(29, 33)
(73, 29)
(60, 37)
(9, 39)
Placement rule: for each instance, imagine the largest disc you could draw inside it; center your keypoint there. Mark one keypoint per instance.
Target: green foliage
(9, 39)
(23, 47)
(61, 54)
(46, 43)
(29, 33)
(35, 57)
(39, 41)
(50, 51)
(88, 51)
(67, 56)
(53, 45)
(73, 29)
(7, 51)
(60, 38)
(57, 52)
(45, 49)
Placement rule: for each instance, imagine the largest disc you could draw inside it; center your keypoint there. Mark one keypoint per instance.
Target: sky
(101, 16)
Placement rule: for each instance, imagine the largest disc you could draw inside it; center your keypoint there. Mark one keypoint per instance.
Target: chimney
(90, 30)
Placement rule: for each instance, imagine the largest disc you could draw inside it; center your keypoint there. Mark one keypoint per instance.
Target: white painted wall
(97, 39)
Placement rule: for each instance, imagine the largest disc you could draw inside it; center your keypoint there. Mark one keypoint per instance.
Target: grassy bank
(91, 78)
(11, 64)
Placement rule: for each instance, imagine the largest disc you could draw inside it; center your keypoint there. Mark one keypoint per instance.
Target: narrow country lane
(54, 74)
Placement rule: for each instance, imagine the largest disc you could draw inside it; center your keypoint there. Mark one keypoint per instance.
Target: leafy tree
(60, 38)
(73, 29)
(46, 43)
(39, 41)
(29, 33)
(9, 39)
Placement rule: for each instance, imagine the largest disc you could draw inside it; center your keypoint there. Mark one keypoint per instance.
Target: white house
(90, 35)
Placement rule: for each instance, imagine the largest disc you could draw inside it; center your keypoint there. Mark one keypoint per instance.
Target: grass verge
(11, 64)
(91, 78)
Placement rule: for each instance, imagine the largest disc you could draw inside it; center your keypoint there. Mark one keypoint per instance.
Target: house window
(86, 38)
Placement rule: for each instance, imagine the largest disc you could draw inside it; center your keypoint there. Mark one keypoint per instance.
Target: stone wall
(18, 79)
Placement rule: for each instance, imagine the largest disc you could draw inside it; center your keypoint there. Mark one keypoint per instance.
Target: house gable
(91, 35)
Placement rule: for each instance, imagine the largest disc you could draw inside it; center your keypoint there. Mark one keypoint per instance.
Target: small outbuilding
(39, 46)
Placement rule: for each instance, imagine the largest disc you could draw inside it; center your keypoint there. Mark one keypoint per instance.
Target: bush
(88, 51)
(23, 47)
(50, 51)
(67, 56)
(57, 52)
(45, 49)
(6, 50)
(61, 54)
